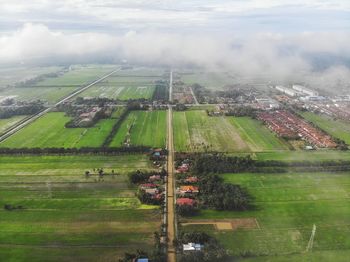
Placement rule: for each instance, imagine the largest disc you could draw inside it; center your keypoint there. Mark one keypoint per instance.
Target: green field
(119, 91)
(257, 136)
(319, 155)
(210, 80)
(68, 217)
(49, 131)
(53, 88)
(337, 128)
(12, 75)
(8, 122)
(287, 206)
(147, 128)
(195, 131)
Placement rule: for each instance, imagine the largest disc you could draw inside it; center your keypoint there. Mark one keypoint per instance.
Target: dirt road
(170, 190)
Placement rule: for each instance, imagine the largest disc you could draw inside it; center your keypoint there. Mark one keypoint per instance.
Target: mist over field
(300, 41)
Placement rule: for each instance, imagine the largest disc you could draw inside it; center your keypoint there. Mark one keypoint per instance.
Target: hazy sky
(237, 16)
(276, 38)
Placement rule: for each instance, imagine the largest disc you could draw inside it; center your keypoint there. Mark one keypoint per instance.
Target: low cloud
(280, 58)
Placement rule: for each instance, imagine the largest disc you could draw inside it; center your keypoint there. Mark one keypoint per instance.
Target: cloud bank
(276, 56)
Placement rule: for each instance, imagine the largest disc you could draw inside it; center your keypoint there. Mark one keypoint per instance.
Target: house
(191, 179)
(148, 185)
(188, 189)
(151, 191)
(142, 260)
(192, 247)
(183, 168)
(154, 178)
(185, 201)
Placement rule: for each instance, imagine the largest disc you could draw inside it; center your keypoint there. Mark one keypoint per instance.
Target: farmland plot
(147, 128)
(195, 131)
(8, 122)
(287, 207)
(49, 131)
(66, 216)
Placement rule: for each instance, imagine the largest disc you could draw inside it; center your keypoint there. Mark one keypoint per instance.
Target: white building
(192, 247)
(304, 90)
(287, 91)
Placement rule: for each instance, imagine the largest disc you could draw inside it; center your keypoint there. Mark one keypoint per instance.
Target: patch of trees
(23, 109)
(149, 199)
(115, 128)
(139, 177)
(161, 91)
(180, 107)
(220, 163)
(33, 81)
(137, 104)
(69, 151)
(241, 111)
(200, 92)
(155, 255)
(212, 251)
(187, 210)
(9, 207)
(216, 194)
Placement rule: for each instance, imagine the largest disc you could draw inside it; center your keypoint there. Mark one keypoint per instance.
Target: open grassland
(121, 92)
(51, 89)
(337, 128)
(8, 122)
(257, 136)
(210, 80)
(287, 207)
(50, 94)
(49, 131)
(68, 217)
(12, 75)
(195, 131)
(299, 155)
(147, 128)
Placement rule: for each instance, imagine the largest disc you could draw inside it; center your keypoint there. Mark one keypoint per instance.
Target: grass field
(257, 136)
(53, 88)
(146, 128)
(337, 128)
(8, 122)
(13, 75)
(49, 131)
(68, 217)
(210, 80)
(121, 92)
(287, 206)
(195, 131)
(319, 155)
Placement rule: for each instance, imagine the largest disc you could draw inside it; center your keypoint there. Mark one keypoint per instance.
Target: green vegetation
(319, 155)
(121, 92)
(335, 127)
(51, 89)
(147, 128)
(49, 131)
(8, 122)
(67, 216)
(287, 207)
(211, 80)
(196, 131)
(256, 135)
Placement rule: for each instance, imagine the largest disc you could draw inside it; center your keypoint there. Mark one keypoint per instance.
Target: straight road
(170, 190)
(171, 86)
(171, 230)
(194, 96)
(29, 120)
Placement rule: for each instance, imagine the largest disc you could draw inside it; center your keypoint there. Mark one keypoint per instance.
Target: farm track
(31, 119)
(171, 222)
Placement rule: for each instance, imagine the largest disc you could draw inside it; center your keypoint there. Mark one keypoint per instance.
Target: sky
(281, 38)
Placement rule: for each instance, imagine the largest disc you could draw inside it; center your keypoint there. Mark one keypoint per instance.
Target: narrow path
(171, 86)
(171, 220)
(194, 96)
